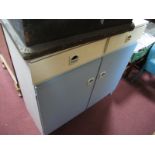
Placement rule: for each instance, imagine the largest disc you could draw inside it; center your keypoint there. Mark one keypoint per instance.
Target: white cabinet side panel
(25, 81)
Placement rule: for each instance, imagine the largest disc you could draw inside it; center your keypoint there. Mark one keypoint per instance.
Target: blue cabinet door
(63, 97)
(110, 73)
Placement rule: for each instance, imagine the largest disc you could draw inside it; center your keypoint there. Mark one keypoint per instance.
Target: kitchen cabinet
(110, 73)
(64, 97)
(76, 88)
(57, 87)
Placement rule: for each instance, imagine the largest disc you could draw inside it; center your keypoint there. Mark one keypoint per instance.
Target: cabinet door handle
(102, 74)
(91, 81)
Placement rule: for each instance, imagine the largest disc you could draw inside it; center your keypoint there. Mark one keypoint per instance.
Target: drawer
(67, 60)
(119, 41)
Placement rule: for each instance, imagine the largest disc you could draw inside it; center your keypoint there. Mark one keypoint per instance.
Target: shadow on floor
(145, 84)
(94, 121)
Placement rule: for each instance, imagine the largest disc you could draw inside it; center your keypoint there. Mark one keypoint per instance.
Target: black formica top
(42, 49)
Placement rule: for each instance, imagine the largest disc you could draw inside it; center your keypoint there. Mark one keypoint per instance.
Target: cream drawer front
(47, 68)
(115, 42)
(118, 41)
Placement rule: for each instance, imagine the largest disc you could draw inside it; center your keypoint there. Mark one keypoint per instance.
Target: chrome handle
(102, 74)
(90, 81)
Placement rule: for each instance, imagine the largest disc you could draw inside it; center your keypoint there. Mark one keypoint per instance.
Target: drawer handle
(73, 59)
(102, 74)
(128, 38)
(91, 81)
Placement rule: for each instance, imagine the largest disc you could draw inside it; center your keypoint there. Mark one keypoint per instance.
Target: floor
(130, 110)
